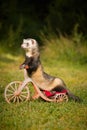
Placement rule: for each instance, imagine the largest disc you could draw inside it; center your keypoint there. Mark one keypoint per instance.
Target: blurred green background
(51, 18)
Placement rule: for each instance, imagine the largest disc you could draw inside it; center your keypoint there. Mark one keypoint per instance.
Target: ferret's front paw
(22, 67)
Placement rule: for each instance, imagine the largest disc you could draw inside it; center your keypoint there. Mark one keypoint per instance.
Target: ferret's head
(29, 44)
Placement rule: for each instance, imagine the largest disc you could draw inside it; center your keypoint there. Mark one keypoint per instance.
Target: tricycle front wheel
(12, 88)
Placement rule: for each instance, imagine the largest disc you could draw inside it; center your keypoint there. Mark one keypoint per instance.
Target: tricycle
(17, 91)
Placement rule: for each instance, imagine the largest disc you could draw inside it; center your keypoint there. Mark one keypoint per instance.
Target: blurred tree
(31, 12)
(65, 14)
(59, 15)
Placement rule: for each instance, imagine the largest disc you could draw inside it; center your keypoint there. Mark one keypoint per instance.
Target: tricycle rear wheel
(61, 97)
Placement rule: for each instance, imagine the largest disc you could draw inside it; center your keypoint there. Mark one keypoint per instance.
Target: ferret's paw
(22, 66)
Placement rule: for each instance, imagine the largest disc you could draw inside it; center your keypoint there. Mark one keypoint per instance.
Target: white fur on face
(29, 44)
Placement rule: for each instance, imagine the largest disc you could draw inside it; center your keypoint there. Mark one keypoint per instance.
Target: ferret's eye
(27, 44)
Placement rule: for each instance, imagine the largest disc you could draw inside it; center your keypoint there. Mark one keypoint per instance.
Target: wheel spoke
(10, 91)
(20, 98)
(11, 98)
(9, 94)
(65, 96)
(14, 99)
(16, 87)
(24, 92)
(24, 96)
(12, 88)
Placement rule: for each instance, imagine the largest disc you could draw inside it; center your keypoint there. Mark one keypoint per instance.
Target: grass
(40, 115)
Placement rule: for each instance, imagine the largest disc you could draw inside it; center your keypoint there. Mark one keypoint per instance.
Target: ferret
(34, 70)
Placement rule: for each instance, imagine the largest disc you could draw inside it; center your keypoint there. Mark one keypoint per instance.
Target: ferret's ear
(33, 41)
(23, 40)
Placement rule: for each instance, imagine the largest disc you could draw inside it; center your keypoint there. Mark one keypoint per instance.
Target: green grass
(40, 115)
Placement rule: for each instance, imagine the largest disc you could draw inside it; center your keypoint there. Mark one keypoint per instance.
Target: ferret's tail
(73, 97)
